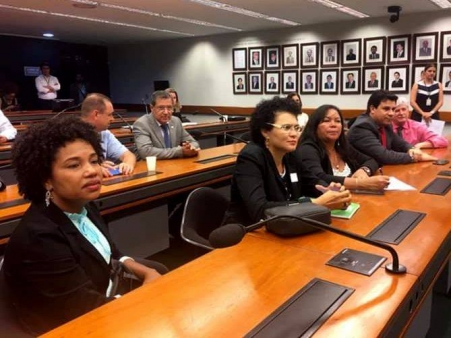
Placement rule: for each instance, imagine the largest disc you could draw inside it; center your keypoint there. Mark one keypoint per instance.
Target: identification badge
(428, 102)
(294, 177)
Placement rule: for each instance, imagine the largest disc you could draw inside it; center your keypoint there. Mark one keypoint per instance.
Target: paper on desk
(436, 126)
(184, 124)
(396, 184)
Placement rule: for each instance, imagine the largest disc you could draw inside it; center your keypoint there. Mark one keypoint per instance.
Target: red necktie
(383, 136)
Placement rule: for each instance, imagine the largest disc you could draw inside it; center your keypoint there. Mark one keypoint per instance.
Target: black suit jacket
(397, 84)
(448, 50)
(350, 84)
(272, 85)
(52, 271)
(364, 136)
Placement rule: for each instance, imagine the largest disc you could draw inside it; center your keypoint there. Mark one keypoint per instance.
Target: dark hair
(373, 46)
(159, 94)
(265, 113)
(293, 94)
(94, 101)
(377, 97)
(44, 64)
(429, 65)
(10, 88)
(396, 73)
(34, 151)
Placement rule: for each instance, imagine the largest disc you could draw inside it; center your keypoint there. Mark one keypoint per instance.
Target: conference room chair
(204, 211)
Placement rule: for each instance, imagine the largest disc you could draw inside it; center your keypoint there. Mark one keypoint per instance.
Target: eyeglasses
(163, 108)
(287, 127)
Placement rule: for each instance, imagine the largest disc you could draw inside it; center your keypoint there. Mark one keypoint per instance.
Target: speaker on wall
(161, 85)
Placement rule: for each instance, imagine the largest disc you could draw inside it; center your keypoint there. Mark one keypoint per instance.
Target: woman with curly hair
(59, 259)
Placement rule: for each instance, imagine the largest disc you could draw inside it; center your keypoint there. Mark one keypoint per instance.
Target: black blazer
(54, 273)
(257, 185)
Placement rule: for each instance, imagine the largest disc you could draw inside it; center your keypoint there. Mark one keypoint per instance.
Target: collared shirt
(44, 93)
(415, 132)
(6, 128)
(112, 148)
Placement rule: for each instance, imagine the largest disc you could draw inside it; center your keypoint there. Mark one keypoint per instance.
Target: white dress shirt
(6, 128)
(44, 93)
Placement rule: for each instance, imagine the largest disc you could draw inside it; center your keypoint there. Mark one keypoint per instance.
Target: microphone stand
(223, 118)
(123, 120)
(236, 138)
(66, 109)
(144, 102)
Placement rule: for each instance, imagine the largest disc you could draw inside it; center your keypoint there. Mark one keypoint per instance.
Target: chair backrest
(204, 212)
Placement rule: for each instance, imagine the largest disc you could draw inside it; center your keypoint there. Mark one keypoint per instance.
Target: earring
(267, 142)
(48, 197)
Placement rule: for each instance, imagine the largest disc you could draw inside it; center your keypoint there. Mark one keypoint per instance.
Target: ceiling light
(86, 4)
(243, 11)
(48, 35)
(442, 3)
(341, 8)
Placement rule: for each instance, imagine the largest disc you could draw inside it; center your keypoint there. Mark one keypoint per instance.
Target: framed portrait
(445, 46)
(256, 58)
(399, 49)
(239, 83)
(290, 56)
(398, 79)
(329, 81)
(350, 81)
(272, 57)
(445, 77)
(289, 81)
(374, 51)
(425, 47)
(255, 83)
(330, 54)
(351, 52)
(372, 79)
(417, 70)
(309, 82)
(272, 82)
(309, 55)
(239, 56)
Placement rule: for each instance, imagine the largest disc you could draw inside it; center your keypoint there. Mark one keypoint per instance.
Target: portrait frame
(418, 42)
(445, 46)
(325, 46)
(250, 88)
(305, 47)
(294, 49)
(256, 65)
(404, 53)
(416, 73)
(239, 57)
(235, 77)
(403, 84)
(346, 46)
(445, 78)
(347, 90)
(366, 78)
(313, 73)
(276, 76)
(324, 73)
(380, 44)
(270, 63)
(294, 75)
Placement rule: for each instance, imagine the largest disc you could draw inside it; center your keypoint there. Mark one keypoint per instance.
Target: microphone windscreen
(227, 235)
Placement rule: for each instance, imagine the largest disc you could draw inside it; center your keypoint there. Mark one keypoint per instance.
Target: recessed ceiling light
(86, 4)
(341, 8)
(48, 35)
(442, 3)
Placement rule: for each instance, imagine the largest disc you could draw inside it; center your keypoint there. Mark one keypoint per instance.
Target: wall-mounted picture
(256, 58)
(350, 52)
(255, 82)
(399, 49)
(289, 81)
(272, 82)
(272, 57)
(417, 72)
(239, 58)
(350, 81)
(425, 47)
(372, 79)
(239, 83)
(398, 79)
(309, 82)
(329, 81)
(330, 52)
(374, 51)
(445, 46)
(445, 78)
(290, 56)
(309, 55)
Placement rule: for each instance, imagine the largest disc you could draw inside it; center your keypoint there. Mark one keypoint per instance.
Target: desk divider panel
(214, 159)
(124, 178)
(438, 186)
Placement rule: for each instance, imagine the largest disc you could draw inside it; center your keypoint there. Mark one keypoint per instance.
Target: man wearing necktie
(425, 50)
(161, 135)
(309, 57)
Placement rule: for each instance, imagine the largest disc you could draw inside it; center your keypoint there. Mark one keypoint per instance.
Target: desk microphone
(231, 234)
(123, 120)
(223, 118)
(236, 138)
(66, 109)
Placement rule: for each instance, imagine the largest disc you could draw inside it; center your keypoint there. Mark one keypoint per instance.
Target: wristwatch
(366, 170)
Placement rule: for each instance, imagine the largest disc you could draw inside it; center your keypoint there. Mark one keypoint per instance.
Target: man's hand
(125, 168)
(188, 150)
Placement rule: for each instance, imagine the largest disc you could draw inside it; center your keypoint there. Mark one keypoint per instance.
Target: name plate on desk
(214, 159)
(439, 186)
(305, 312)
(125, 178)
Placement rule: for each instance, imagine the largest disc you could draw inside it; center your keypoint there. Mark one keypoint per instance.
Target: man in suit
(272, 84)
(425, 50)
(399, 52)
(350, 84)
(256, 59)
(351, 56)
(373, 82)
(255, 82)
(240, 85)
(374, 55)
(372, 133)
(161, 135)
(330, 55)
(290, 59)
(308, 82)
(448, 49)
(329, 84)
(448, 83)
(309, 56)
(397, 82)
(273, 58)
(289, 84)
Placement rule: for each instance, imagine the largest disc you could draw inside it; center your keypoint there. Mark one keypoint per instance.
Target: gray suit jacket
(149, 138)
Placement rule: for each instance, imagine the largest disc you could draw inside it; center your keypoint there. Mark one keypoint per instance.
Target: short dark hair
(34, 151)
(159, 94)
(44, 64)
(94, 101)
(397, 73)
(379, 96)
(293, 94)
(373, 46)
(265, 113)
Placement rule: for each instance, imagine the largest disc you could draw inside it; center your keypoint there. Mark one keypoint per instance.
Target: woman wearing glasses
(325, 154)
(265, 174)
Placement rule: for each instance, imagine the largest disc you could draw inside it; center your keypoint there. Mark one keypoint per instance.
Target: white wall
(201, 68)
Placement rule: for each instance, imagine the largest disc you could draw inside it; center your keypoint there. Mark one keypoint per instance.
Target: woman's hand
(378, 182)
(334, 199)
(361, 174)
(333, 186)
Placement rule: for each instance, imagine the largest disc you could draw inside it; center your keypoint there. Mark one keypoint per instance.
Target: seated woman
(265, 174)
(325, 154)
(414, 132)
(302, 117)
(58, 262)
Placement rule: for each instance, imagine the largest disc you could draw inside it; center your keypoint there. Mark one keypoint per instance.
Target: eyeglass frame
(287, 127)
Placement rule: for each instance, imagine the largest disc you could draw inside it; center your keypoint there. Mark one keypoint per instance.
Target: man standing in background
(47, 86)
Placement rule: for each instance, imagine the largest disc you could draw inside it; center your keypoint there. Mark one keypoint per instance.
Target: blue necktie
(167, 140)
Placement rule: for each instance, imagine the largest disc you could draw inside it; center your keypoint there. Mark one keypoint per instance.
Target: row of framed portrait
(347, 53)
(332, 81)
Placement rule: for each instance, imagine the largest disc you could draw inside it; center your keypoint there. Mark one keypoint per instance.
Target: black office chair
(204, 211)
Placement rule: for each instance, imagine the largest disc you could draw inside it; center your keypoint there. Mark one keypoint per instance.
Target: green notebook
(347, 213)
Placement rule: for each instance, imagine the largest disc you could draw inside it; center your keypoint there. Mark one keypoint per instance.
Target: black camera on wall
(394, 10)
